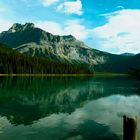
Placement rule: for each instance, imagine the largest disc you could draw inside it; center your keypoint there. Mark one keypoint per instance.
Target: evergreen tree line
(135, 72)
(12, 62)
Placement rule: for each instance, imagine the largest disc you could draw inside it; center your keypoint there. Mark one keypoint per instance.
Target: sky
(107, 25)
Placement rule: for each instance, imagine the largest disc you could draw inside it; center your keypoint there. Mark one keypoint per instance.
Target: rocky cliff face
(36, 42)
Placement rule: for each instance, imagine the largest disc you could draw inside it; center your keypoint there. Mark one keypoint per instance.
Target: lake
(66, 108)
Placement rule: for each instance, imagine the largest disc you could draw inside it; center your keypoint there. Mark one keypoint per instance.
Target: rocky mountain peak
(20, 27)
(69, 37)
(27, 36)
(29, 25)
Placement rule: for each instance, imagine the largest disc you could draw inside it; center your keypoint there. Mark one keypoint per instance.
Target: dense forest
(12, 62)
(135, 72)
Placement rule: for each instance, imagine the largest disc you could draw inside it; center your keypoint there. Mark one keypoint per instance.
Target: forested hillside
(135, 72)
(12, 62)
(60, 52)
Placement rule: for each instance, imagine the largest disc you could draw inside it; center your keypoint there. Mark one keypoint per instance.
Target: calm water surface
(66, 108)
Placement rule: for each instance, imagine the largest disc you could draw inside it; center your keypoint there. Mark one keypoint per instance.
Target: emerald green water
(66, 108)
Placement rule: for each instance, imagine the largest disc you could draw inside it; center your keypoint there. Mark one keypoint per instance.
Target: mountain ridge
(12, 62)
(34, 41)
(127, 54)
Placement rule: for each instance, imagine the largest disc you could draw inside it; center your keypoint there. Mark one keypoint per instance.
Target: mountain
(127, 54)
(33, 41)
(36, 42)
(12, 62)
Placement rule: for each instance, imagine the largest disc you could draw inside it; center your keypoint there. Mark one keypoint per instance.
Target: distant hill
(127, 54)
(12, 62)
(28, 39)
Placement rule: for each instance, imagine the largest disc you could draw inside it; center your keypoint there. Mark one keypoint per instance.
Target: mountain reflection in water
(71, 108)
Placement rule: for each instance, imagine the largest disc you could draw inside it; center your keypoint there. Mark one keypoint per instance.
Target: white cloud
(120, 7)
(5, 24)
(71, 7)
(2, 9)
(77, 29)
(121, 33)
(73, 27)
(48, 2)
(50, 26)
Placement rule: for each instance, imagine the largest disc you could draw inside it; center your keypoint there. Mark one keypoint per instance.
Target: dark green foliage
(127, 54)
(12, 62)
(119, 64)
(135, 72)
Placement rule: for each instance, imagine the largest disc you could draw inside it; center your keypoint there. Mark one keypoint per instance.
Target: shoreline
(63, 75)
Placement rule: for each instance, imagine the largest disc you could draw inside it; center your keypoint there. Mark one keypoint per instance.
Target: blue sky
(107, 25)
